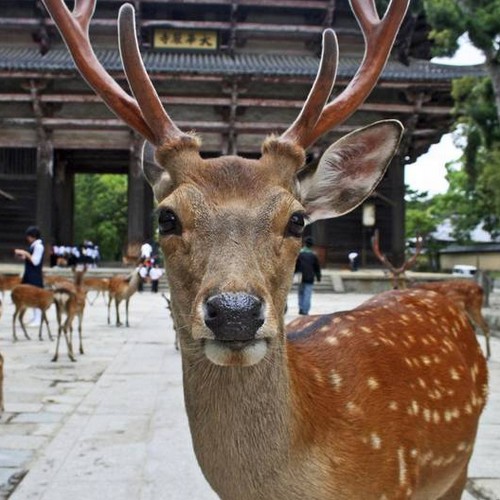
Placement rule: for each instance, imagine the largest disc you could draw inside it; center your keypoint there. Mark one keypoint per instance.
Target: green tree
(480, 19)
(101, 212)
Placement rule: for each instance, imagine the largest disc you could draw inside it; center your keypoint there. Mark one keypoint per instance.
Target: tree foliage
(101, 212)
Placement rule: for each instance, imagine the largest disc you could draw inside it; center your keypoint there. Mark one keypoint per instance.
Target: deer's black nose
(234, 316)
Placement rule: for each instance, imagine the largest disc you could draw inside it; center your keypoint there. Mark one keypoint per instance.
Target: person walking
(308, 265)
(33, 263)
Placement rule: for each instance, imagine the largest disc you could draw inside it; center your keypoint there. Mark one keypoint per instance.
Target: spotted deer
(397, 274)
(25, 296)
(379, 402)
(70, 299)
(469, 296)
(121, 288)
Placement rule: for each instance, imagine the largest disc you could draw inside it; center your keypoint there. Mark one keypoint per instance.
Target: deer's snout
(234, 316)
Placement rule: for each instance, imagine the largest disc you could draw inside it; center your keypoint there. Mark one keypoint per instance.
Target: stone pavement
(112, 425)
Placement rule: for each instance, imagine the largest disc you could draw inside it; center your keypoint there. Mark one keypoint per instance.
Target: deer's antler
(145, 113)
(379, 35)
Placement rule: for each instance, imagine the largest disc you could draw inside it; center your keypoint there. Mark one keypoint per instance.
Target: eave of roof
(17, 59)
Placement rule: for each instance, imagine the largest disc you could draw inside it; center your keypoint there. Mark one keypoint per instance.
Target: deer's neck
(240, 422)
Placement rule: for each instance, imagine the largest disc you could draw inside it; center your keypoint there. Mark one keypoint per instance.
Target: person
(308, 265)
(353, 260)
(146, 251)
(155, 274)
(33, 263)
(143, 274)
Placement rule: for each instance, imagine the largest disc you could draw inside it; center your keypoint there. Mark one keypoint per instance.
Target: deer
(169, 307)
(25, 296)
(70, 299)
(8, 282)
(293, 413)
(121, 289)
(99, 285)
(469, 296)
(397, 274)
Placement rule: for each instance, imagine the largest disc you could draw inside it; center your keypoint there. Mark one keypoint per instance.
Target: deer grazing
(26, 296)
(469, 296)
(121, 289)
(379, 402)
(70, 302)
(397, 274)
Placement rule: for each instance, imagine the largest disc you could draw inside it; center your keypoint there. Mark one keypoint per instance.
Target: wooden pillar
(136, 196)
(396, 173)
(63, 204)
(44, 188)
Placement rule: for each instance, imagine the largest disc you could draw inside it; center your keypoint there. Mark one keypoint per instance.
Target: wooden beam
(431, 109)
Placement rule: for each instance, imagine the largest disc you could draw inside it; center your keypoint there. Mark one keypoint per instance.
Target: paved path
(112, 425)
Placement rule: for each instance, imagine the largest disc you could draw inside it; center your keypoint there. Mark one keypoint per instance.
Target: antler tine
(379, 36)
(320, 91)
(380, 256)
(73, 27)
(140, 83)
(411, 261)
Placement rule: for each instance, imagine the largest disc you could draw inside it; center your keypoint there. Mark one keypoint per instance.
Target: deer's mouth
(235, 352)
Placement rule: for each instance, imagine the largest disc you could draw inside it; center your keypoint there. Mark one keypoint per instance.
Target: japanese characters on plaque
(169, 38)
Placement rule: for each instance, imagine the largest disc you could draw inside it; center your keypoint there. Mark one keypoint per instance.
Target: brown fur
(121, 288)
(25, 296)
(99, 285)
(469, 296)
(8, 282)
(70, 301)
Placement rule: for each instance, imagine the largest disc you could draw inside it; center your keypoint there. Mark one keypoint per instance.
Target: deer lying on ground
(70, 301)
(469, 296)
(379, 402)
(26, 296)
(121, 289)
(99, 285)
(397, 274)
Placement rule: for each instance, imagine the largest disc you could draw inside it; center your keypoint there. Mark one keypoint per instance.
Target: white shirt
(155, 273)
(146, 250)
(37, 254)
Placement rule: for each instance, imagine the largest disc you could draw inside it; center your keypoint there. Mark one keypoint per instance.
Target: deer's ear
(157, 177)
(349, 170)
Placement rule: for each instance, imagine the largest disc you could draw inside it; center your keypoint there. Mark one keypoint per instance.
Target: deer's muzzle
(234, 317)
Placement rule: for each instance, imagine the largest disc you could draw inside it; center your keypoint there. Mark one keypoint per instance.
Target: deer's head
(230, 228)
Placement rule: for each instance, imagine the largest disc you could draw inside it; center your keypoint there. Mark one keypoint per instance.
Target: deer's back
(31, 296)
(399, 381)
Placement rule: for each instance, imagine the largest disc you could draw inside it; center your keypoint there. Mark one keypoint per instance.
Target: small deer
(25, 296)
(169, 307)
(99, 285)
(70, 299)
(121, 289)
(397, 274)
(469, 296)
(393, 389)
(8, 282)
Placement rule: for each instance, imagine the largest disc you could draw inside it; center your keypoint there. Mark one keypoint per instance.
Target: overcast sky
(428, 172)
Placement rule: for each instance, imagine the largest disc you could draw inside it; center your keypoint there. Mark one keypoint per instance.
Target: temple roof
(58, 60)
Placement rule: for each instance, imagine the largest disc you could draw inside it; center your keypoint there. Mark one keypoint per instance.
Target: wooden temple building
(233, 71)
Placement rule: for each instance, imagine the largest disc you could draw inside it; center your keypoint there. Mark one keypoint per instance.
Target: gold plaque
(167, 38)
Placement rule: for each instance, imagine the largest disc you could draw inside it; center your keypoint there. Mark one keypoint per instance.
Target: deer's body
(70, 302)
(99, 285)
(344, 409)
(469, 296)
(8, 282)
(121, 289)
(26, 296)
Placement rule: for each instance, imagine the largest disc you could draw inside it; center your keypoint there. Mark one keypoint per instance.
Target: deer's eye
(296, 225)
(168, 223)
